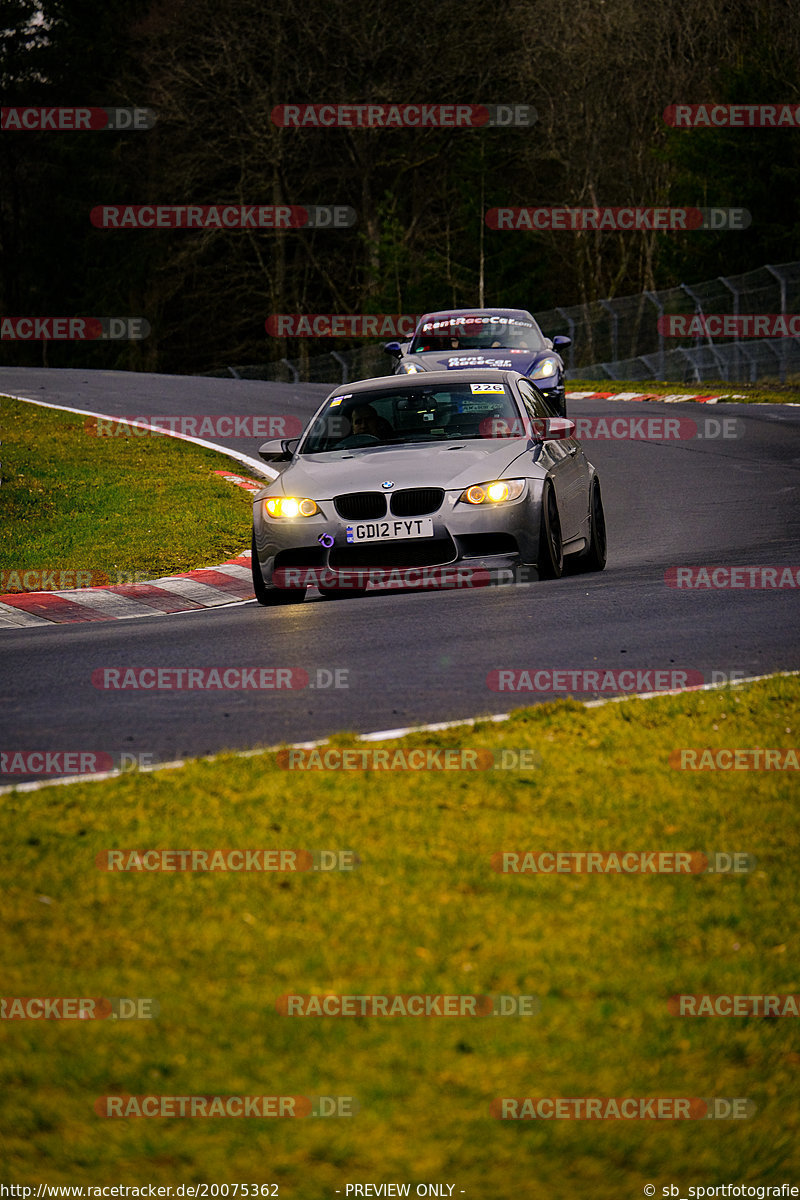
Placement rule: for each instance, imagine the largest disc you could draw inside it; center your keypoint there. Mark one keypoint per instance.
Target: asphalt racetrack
(418, 657)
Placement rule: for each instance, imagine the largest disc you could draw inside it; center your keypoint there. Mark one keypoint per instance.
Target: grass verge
(115, 506)
(424, 912)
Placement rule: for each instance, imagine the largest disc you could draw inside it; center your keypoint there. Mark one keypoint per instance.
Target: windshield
(413, 414)
(478, 331)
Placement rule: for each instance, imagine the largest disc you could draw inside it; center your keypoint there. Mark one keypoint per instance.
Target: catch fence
(622, 338)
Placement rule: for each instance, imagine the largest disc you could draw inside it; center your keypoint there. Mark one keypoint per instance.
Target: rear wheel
(270, 597)
(550, 562)
(594, 557)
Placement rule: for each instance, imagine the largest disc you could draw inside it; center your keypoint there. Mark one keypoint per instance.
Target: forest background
(599, 74)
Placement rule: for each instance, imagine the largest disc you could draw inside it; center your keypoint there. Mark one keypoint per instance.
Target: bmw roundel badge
(387, 483)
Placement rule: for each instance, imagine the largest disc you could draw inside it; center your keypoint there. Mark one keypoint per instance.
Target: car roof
(426, 379)
(475, 312)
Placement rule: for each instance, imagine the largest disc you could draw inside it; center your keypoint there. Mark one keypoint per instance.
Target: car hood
(448, 465)
(455, 360)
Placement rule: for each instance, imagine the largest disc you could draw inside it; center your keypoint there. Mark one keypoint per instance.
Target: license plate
(390, 531)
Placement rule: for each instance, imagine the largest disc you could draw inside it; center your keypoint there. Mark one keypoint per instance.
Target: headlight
(412, 369)
(496, 492)
(548, 366)
(288, 507)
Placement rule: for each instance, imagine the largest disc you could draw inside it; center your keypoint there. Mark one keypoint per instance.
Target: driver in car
(366, 420)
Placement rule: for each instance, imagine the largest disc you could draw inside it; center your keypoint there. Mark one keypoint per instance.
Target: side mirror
(279, 450)
(560, 342)
(393, 348)
(546, 429)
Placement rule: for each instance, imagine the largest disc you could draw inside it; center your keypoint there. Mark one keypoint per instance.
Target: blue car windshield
(411, 415)
(478, 331)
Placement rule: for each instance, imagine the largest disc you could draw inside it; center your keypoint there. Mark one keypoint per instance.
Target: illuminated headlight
(548, 366)
(288, 507)
(494, 493)
(412, 369)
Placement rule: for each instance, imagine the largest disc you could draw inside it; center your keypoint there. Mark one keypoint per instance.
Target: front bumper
(501, 536)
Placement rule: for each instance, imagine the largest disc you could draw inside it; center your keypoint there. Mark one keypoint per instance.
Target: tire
(270, 597)
(550, 562)
(594, 557)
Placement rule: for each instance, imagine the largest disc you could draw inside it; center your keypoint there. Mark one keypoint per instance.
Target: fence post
(736, 342)
(653, 298)
(571, 331)
(606, 304)
(782, 357)
(342, 364)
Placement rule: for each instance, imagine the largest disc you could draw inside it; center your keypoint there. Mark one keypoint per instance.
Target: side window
(534, 401)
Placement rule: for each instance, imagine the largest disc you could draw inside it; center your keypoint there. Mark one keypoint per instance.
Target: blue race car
(502, 338)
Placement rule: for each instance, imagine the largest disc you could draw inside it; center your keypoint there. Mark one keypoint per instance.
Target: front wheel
(550, 562)
(271, 596)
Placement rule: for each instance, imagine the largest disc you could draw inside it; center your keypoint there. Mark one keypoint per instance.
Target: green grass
(118, 506)
(739, 393)
(423, 912)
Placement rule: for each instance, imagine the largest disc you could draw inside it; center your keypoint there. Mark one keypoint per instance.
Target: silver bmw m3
(426, 481)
